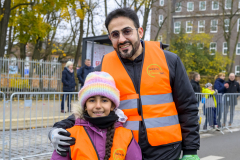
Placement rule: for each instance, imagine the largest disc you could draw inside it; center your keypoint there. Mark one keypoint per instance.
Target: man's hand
(190, 157)
(226, 85)
(61, 141)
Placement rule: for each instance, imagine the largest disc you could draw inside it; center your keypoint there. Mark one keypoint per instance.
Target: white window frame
(188, 3)
(200, 6)
(180, 7)
(212, 24)
(213, 48)
(226, 4)
(238, 48)
(238, 25)
(226, 25)
(160, 20)
(236, 71)
(199, 47)
(224, 47)
(213, 5)
(160, 38)
(201, 26)
(178, 27)
(189, 26)
(160, 2)
(238, 3)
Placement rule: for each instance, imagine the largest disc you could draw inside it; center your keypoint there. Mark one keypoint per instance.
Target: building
(216, 18)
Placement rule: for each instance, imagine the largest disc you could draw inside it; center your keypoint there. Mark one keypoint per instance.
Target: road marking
(212, 158)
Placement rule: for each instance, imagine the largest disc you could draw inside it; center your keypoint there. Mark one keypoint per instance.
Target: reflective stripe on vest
(158, 108)
(85, 149)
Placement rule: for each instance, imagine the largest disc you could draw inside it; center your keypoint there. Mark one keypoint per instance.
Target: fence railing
(28, 117)
(18, 75)
(28, 120)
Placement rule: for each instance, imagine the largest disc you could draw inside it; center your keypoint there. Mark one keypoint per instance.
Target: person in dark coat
(69, 84)
(84, 71)
(195, 82)
(231, 100)
(221, 87)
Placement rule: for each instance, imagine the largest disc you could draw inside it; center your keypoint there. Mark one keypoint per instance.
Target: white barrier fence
(28, 120)
(28, 117)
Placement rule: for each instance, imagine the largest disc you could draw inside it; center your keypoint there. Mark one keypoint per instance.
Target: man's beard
(125, 53)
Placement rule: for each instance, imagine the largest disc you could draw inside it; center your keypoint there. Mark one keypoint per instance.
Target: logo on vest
(119, 154)
(153, 70)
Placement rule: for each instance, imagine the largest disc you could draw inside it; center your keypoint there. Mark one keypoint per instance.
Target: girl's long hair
(109, 141)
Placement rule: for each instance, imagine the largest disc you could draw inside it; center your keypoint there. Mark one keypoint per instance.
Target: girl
(98, 128)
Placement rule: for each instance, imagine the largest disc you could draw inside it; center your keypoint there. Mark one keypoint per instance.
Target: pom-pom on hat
(99, 84)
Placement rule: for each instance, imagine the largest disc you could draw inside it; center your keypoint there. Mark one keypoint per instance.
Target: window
(224, 50)
(160, 21)
(228, 4)
(215, 5)
(159, 38)
(238, 3)
(238, 49)
(201, 26)
(226, 25)
(237, 70)
(200, 45)
(177, 27)
(238, 25)
(189, 26)
(214, 26)
(190, 6)
(161, 2)
(178, 7)
(213, 48)
(202, 5)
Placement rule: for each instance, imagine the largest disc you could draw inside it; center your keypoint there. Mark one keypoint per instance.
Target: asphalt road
(220, 147)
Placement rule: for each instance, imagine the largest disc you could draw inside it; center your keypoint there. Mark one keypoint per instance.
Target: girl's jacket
(98, 137)
(210, 100)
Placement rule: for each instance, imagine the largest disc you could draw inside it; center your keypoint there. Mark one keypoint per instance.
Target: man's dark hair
(122, 12)
(195, 75)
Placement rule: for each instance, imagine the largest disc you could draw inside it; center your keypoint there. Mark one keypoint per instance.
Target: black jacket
(68, 80)
(233, 88)
(195, 86)
(83, 72)
(186, 105)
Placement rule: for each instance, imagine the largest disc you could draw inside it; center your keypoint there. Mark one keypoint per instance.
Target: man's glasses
(126, 32)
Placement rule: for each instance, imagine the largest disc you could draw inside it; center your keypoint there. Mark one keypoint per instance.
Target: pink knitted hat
(99, 84)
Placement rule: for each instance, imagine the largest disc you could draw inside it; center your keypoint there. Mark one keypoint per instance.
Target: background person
(196, 86)
(221, 87)
(84, 71)
(69, 84)
(231, 100)
(209, 106)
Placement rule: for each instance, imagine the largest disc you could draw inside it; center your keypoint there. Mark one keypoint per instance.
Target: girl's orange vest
(84, 148)
(159, 112)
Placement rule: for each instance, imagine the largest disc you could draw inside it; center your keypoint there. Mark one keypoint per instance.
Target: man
(155, 93)
(231, 100)
(195, 82)
(84, 71)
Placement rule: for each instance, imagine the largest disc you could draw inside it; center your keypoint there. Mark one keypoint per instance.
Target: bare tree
(228, 20)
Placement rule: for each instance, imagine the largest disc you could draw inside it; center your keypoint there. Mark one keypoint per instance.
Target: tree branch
(22, 4)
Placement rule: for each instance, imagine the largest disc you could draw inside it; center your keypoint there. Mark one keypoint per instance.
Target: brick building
(216, 18)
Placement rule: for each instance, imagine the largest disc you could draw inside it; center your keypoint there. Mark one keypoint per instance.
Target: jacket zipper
(92, 143)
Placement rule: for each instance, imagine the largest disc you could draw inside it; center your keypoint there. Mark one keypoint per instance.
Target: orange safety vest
(159, 112)
(85, 149)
